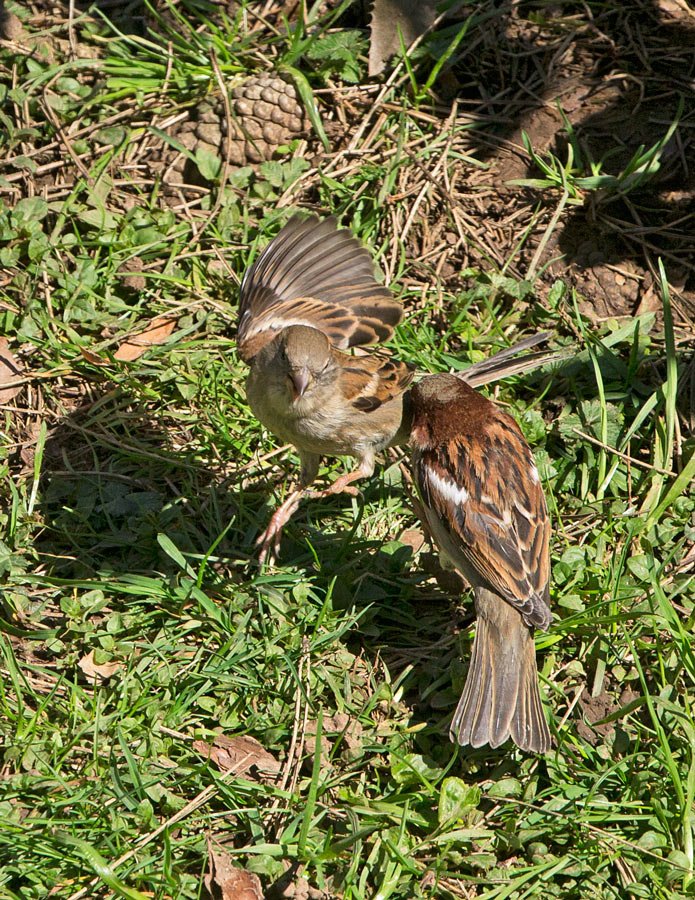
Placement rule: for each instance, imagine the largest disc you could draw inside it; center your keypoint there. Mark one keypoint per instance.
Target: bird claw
(269, 542)
(269, 539)
(341, 485)
(335, 489)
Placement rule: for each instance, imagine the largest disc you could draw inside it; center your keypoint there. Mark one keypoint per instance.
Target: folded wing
(496, 515)
(369, 381)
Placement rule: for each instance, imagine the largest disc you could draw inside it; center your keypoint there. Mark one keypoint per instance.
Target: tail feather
(477, 698)
(501, 698)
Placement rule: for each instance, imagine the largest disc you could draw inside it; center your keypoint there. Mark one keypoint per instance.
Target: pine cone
(265, 114)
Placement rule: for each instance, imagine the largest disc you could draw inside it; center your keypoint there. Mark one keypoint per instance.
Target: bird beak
(299, 382)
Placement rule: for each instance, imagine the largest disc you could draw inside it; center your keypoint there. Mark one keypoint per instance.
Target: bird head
(305, 355)
(442, 406)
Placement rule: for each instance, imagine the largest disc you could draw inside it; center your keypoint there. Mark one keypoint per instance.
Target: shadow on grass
(122, 497)
(116, 495)
(112, 480)
(619, 72)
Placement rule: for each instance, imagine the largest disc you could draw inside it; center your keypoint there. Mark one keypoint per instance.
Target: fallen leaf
(156, 333)
(10, 372)
(95, 673)
(650, 301)
(240, 753)
(27, 454)
(413, 538)
(292, 888)
(229, 882)
(347, 729)
(414, 18)
(93, 358)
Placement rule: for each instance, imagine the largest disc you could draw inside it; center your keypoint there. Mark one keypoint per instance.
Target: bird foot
(340, 486)
(269, 539)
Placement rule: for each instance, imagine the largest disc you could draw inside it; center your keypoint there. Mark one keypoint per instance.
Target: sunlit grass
(133, 493)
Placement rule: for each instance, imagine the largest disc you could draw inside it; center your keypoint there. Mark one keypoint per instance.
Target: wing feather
(314, 274)
(496, 518)
(370, 381)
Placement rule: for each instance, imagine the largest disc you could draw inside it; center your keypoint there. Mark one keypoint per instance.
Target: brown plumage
(310, 296)
(314, 274)
(485, 508)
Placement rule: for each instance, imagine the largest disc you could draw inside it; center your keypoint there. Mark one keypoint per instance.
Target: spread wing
(368, 381)
(508, 362)
(487, 494)
(314, 274)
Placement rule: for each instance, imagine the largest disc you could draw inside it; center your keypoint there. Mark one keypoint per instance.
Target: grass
(569, 178)
(134, 621)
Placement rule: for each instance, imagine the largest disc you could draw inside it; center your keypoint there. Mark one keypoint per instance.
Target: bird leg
(269, 540)
(341, 485)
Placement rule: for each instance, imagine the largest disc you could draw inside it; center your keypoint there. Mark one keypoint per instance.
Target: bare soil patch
(618, 73)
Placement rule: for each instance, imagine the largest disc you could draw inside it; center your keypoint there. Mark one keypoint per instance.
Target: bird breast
(321, 421)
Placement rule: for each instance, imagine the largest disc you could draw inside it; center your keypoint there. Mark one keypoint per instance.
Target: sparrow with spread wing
(309, 297)
(484, 506)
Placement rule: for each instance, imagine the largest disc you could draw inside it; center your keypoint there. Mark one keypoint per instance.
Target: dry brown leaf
(240, 753)
(156, 333)
(93, 358)
(95, 673)
(650, 301)
(229, 882)
(413, 538)
(298, 889)
(414, 18)
(348, 729)
(10, 372)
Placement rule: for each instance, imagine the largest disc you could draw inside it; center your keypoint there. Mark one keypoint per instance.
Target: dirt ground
(618, 72)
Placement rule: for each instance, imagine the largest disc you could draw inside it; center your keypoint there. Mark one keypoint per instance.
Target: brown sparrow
(309, 297)
(485, 508)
